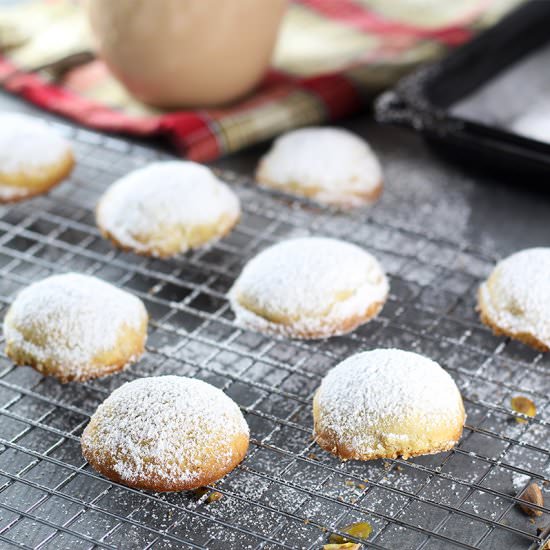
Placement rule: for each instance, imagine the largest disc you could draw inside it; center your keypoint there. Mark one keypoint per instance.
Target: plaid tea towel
(331, 58)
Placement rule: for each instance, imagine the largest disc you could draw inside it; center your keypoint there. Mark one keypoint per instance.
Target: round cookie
(167, 433)
(75, 327)
(387, 403)
(515, 299)
(312, 287)
(33, 157)
(329, 165)
(167, 208)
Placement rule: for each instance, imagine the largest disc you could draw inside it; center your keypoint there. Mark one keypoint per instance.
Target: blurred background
(260, 68)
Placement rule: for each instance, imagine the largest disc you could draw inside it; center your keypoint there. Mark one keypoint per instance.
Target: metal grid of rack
(287, 493)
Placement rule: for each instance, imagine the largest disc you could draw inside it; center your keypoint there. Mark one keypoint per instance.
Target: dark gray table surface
(430, 193)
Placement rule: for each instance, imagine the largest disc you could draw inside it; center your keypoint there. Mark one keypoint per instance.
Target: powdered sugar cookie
(167, 208)
(515, 299)
(33, 157)
(330, 165)
(167, 433)
(387, 403)
(75, 327)
(311, 287)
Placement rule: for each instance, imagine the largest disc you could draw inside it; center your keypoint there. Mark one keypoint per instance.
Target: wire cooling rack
(287, 493)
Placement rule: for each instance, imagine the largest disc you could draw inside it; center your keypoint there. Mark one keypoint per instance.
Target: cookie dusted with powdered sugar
(167, 208)
(312, 287)
(75, 327)
(166, 433)
(33, 157)
(329, 165)
(387, 403)
(515, 300)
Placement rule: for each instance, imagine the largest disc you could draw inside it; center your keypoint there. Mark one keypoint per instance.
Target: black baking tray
(467, 103)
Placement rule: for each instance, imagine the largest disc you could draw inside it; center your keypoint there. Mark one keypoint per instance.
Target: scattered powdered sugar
(520, 481)
(68, 319)
(307, 282)
(161, 427)
(371, 391)
(497, 102)
(333, 159)
(421, 194)
(163, 194)
(28, 144)
(516, 297)
(535, 123)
